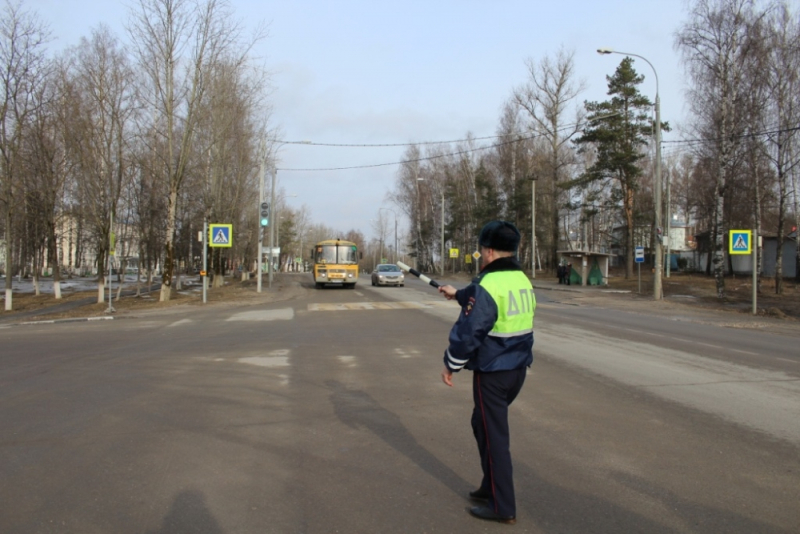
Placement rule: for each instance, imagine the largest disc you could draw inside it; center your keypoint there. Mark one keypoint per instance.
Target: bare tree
(46, 154)
(22, 65)
(781, 75)
(715, 45)
(177, 42)
(104, 98)
(547, 95)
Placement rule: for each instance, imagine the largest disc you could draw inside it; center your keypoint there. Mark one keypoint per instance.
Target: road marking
(747, 352)
(354, 306)
(358, 293)
(710, 345)
(275, 358)
(182, 321)
(785, 359)
(284, 314)
(349, 361)
(266, 361)
(403, 353)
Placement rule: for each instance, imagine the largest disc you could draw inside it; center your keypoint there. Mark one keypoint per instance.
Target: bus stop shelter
(588, 268)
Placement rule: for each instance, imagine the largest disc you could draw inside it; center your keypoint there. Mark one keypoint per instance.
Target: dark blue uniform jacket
(471, 346)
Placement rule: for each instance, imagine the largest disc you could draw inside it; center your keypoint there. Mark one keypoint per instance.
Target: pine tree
(619, 130)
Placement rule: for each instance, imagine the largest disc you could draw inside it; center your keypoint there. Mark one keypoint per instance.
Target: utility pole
(441, 252)
(261, 224)
(272, 225)
(205, 260)
(533, 226)
(111, 245)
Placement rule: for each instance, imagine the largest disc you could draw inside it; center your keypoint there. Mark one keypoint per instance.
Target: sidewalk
(553, 285)
(61, 307)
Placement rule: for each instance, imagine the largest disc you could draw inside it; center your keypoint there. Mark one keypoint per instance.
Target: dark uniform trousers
(493, 393)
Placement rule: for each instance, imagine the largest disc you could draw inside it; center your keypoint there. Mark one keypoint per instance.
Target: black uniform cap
(499, 235)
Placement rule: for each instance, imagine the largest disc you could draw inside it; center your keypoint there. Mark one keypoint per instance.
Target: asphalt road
(326, 413)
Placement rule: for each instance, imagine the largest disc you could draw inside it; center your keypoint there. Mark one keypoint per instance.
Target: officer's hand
(447, 376)
(448, 291)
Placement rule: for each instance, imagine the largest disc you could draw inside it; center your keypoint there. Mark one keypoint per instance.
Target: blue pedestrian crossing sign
(220, 235)
(740, 242)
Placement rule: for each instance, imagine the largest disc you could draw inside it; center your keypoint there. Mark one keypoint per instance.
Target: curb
(55, 321)
(550, 288)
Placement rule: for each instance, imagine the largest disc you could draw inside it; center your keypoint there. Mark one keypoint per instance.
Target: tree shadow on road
(358, 409)
(556, 508)
(189, 515)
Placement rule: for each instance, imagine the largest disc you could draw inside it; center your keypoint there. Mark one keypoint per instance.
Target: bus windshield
(341, 254)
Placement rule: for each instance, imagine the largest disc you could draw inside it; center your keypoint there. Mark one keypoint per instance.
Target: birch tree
(22, 65)
(715, 47)
(551, 89)
(104, 100)
(781, 75)
(176, 42)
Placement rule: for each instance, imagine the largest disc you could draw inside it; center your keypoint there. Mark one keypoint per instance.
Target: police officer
(493, 337)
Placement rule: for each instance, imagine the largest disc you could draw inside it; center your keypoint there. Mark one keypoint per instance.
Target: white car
(387, 274)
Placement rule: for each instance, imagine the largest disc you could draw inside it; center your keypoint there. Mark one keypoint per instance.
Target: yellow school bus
(335, 263)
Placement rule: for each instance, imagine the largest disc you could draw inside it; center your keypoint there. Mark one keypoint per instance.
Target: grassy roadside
(234, 291)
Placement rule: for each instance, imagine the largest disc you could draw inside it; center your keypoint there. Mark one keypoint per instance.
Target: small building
(743, 263)
(588, 268)
(789, 255)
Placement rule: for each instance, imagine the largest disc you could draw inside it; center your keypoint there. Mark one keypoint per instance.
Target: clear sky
(353, 71)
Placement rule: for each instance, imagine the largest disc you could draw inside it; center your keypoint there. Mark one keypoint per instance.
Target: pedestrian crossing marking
(356, 306)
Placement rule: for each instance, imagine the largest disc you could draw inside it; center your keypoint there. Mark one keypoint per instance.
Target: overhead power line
(380, 145)
(701, 140)
(427, 158)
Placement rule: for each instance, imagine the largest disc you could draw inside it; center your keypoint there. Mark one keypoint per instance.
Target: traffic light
(264, 214)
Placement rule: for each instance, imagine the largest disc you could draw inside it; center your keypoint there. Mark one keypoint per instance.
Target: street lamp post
(659, 260)
(533, 226)
(441, 251)
(272, 226)
(418, 217)
(261, 176)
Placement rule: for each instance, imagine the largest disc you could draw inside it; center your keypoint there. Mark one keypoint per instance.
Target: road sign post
(205, 260)
(755, 272)
(639, 261)
(743, 242)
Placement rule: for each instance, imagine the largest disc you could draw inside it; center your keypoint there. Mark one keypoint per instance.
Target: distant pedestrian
(568, 274)
(493, 338)
(560, 273)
